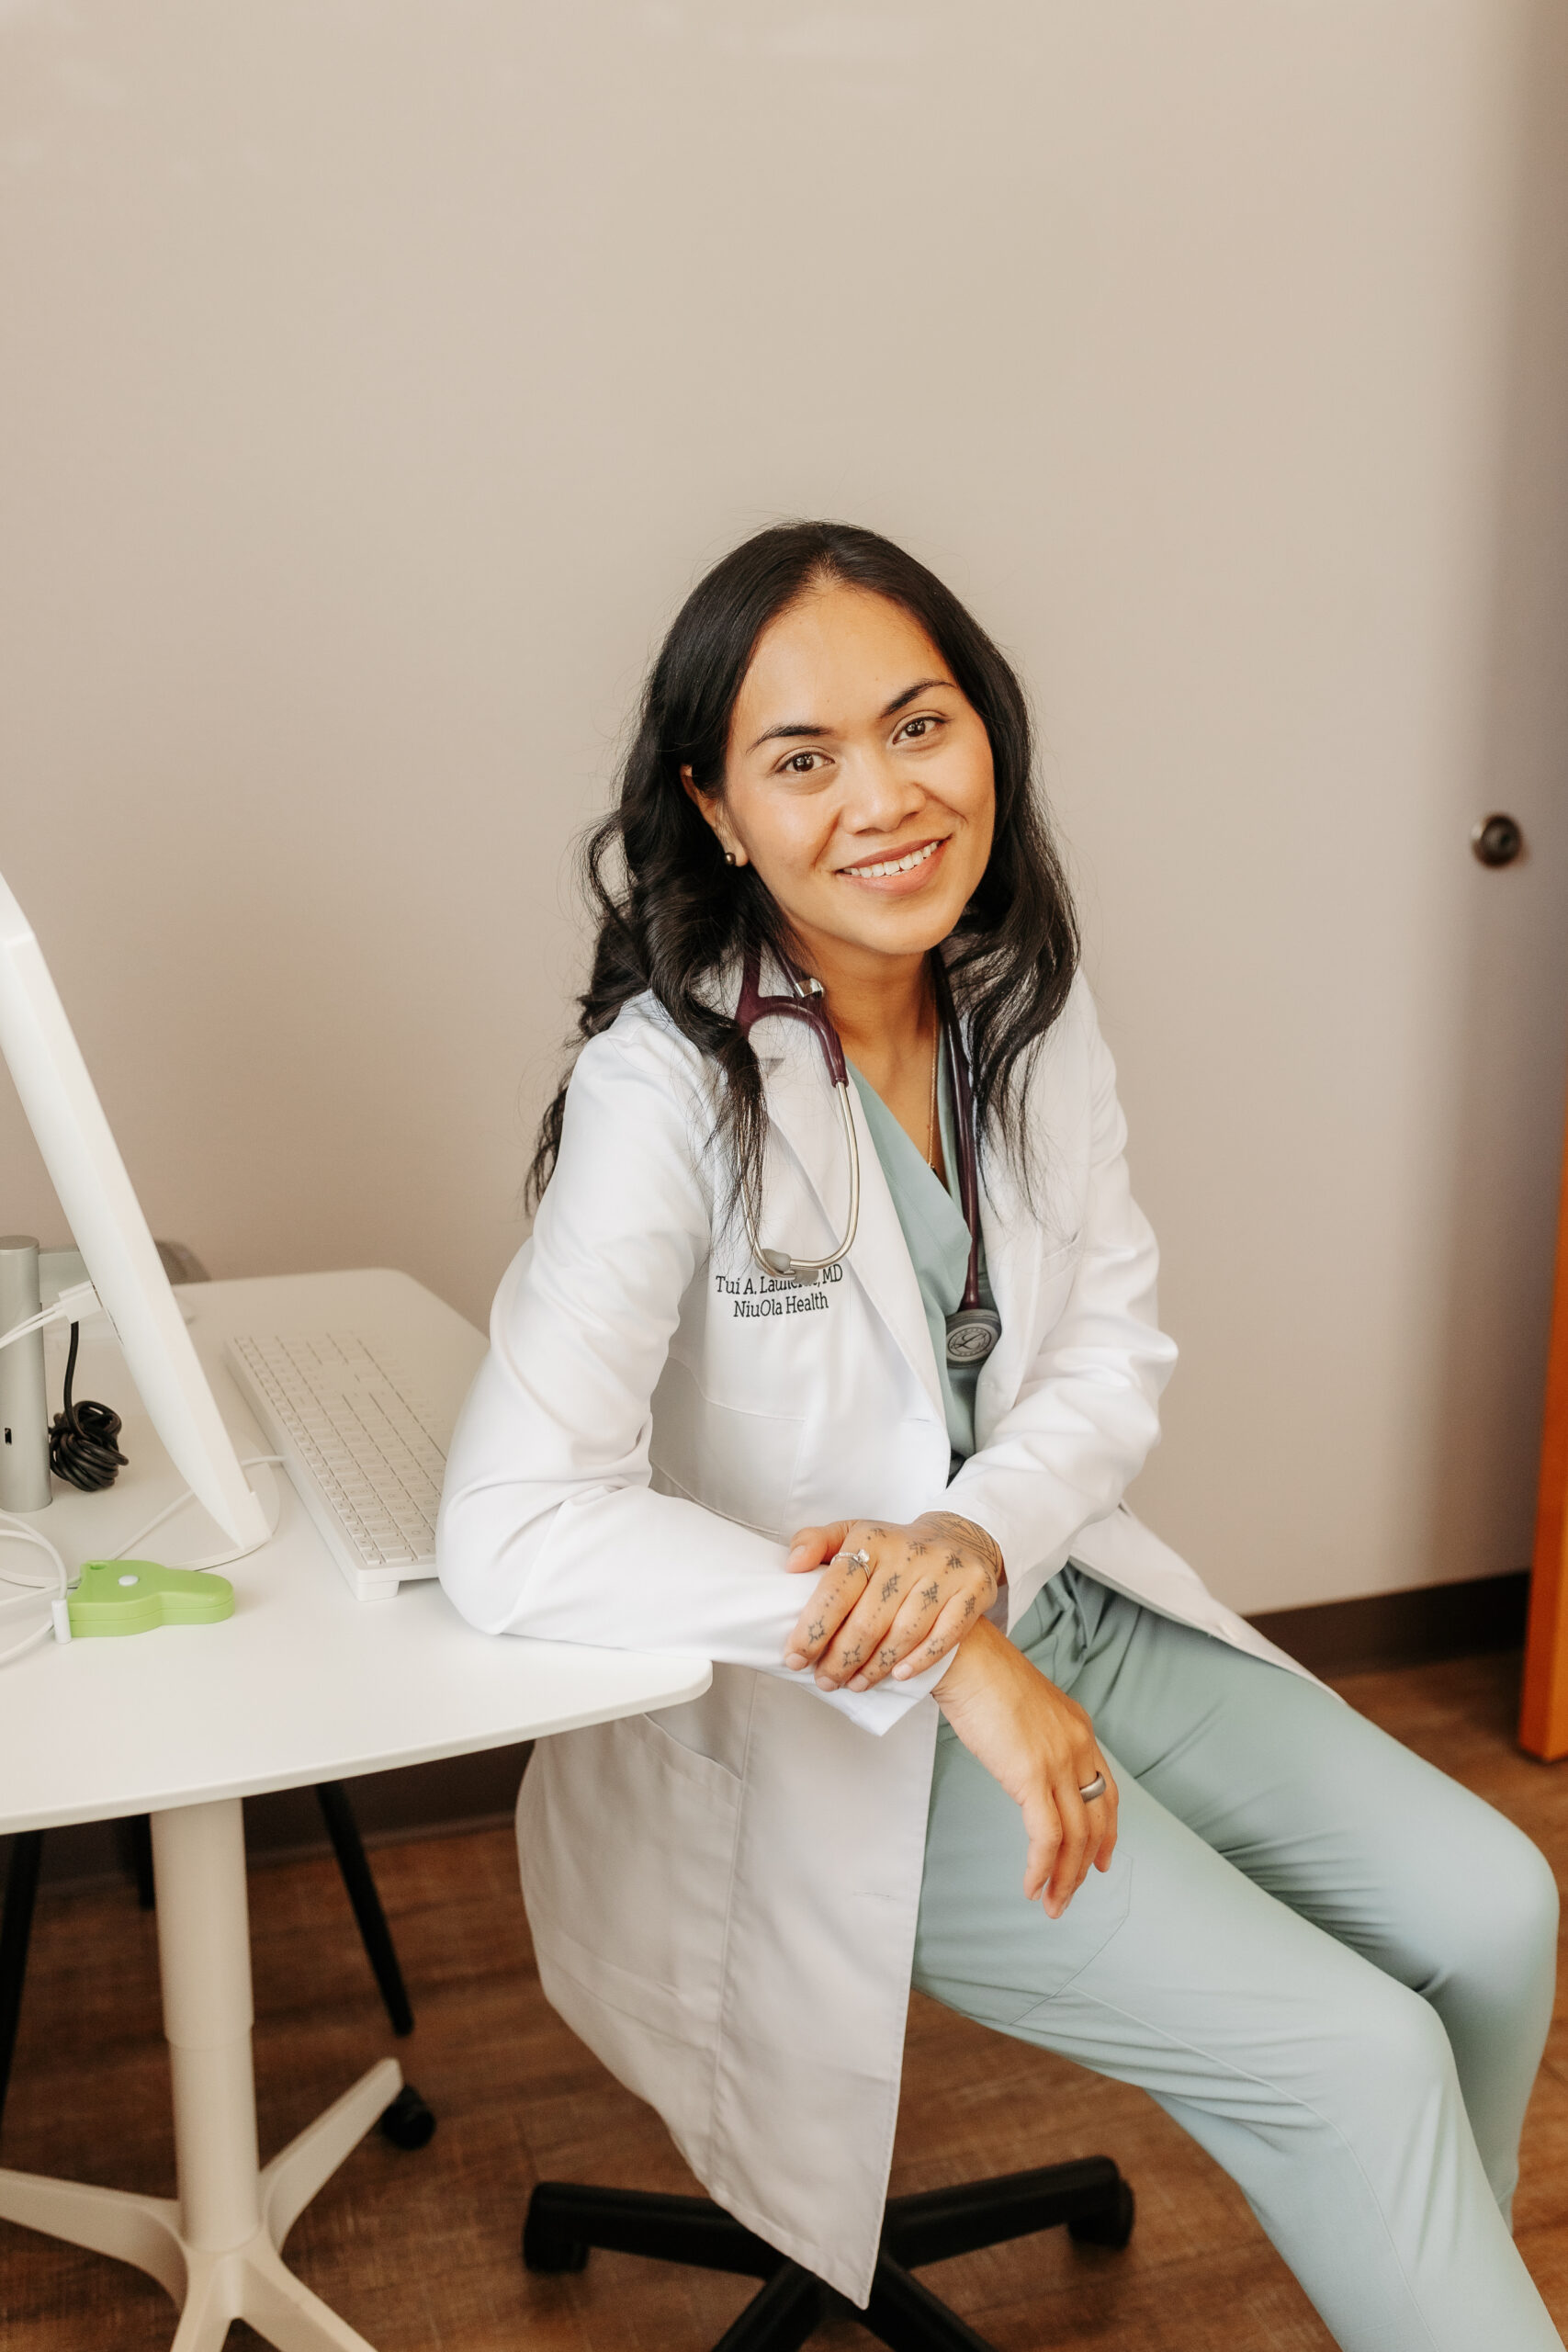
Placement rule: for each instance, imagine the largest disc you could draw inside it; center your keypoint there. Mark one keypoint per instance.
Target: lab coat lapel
(802, 1108)
(1010, 1231)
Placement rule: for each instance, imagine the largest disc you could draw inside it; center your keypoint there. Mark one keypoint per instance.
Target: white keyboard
(360, 1445)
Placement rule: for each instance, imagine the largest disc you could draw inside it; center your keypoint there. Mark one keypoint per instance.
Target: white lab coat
(723, 1895)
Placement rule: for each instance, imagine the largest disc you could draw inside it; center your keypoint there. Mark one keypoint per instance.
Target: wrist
(972, 1663)
(953, 1528)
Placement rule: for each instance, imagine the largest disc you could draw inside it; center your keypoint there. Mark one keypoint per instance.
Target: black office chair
(1088, 2195)
(408, 2122)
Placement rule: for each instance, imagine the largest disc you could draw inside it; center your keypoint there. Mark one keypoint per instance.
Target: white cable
(219, 1560)
(156, 1520)
(73, 1305)
(18, 1532)
(20, 1649)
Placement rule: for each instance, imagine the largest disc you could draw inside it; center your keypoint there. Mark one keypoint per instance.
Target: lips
(884, 868)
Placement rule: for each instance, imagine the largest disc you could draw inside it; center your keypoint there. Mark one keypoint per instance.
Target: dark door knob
(1496, 841)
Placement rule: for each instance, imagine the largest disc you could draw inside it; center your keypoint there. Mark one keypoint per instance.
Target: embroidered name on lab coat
(757, 1296)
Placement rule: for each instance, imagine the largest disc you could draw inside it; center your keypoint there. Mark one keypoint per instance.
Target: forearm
(627, 1568)
(1082, 1426)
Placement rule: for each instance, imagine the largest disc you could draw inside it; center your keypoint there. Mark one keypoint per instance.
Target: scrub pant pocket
(975, 1843)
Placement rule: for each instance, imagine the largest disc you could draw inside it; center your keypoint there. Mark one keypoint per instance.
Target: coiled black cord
(82, 1448)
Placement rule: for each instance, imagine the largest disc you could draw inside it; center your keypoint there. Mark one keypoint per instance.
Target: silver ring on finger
(860, 1560)
(1092, 1788)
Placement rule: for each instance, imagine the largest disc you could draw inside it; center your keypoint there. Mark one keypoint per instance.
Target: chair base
(1089, 2197)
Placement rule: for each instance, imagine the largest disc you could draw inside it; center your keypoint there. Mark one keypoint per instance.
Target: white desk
(302, 1684)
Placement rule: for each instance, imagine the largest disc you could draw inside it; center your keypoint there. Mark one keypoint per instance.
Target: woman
(1009, 1747)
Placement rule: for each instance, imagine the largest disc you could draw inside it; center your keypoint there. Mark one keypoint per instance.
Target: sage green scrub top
(938, 1242)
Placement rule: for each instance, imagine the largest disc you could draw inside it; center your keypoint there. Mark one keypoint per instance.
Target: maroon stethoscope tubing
(963, 1122)
(806, 1006)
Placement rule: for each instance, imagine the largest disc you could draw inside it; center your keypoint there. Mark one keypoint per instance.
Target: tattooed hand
(929, 1584)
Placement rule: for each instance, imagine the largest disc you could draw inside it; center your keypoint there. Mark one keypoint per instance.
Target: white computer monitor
(110, 1231)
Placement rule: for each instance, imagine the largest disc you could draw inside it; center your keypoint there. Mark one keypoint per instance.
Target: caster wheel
(408, 2122)
(1110, 2225)
(546, 2247)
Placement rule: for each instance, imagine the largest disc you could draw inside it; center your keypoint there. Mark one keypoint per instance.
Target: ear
(710, 807)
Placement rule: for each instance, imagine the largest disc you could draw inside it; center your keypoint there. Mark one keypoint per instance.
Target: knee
(1511, 1905)
(1388, 2048)
(1525, 1898)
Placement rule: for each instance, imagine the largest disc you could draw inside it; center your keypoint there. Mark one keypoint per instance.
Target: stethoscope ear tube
(810, 1269)
(972, 1329)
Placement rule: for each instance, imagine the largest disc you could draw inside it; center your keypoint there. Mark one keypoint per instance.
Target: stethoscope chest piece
(972, 1333)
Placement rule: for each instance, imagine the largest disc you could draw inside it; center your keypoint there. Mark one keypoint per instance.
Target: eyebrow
(807, 727)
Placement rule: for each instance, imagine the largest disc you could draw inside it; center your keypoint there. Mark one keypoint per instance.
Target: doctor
(840, 1384)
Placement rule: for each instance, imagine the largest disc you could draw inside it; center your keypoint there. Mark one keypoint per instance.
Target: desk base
(216, 2248)
(250, 2281)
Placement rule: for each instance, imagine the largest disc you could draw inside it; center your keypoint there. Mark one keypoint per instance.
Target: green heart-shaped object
(133, 1596)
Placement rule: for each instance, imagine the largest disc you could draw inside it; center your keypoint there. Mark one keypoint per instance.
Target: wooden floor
(421, 2251)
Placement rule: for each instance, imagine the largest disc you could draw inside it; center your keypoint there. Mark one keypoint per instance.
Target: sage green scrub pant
(1331, 1964)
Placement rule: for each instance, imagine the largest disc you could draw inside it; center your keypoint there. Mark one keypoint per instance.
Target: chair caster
(408, 2122)
(547, 2246)
(1111, 2225)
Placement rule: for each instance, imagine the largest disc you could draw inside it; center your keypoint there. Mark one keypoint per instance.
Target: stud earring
(730, 858)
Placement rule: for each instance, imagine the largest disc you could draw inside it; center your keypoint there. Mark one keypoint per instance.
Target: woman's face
(859, 780)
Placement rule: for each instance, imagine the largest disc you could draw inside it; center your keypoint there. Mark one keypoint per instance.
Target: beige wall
(377, 379)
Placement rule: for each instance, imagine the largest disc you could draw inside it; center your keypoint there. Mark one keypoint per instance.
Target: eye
(800, 763)
(920, 728)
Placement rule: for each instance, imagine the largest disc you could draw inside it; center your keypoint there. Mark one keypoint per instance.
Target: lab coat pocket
(626, 1845)
(739, 1463)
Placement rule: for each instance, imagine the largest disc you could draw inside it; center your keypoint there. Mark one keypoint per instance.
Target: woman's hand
(927, 1585)
(1039, 1746)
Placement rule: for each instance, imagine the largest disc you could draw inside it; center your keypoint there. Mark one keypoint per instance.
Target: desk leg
(216, 2248)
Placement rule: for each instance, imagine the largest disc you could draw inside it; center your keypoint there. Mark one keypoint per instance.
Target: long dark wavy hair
(672, 914)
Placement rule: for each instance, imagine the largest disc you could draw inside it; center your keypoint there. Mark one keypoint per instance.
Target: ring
(1096, 1788)
(860, 1559)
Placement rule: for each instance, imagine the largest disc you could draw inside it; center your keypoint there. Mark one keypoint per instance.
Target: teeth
(900, 865)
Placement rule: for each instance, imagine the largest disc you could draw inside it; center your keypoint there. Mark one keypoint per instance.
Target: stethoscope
(972, 1329)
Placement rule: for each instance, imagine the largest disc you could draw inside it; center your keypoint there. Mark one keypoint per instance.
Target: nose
(880, 795)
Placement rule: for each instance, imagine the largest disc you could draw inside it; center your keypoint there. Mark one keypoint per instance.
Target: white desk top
(303, 1683)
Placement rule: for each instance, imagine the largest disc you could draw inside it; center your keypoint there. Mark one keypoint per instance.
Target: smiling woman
(890, 1470)
(869, 824)
(828, 708)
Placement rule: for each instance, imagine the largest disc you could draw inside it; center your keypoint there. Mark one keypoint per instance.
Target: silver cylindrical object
(24, 1407)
